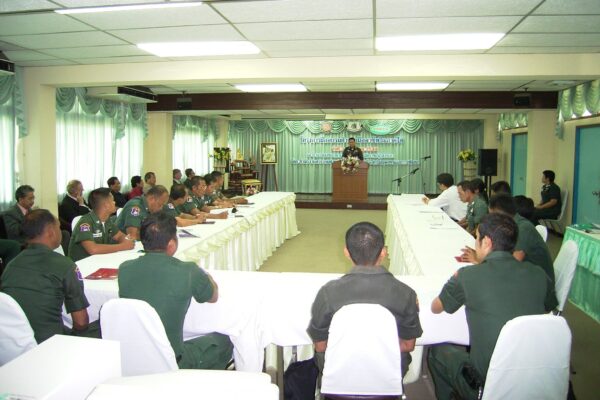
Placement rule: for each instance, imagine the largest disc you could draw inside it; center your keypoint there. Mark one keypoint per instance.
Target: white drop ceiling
(33, 35)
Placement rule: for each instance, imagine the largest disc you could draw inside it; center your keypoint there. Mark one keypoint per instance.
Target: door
(586, 196)
(518, 164)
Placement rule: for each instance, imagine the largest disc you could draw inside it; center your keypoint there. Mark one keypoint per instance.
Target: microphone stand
(399, 180)
(423, 183)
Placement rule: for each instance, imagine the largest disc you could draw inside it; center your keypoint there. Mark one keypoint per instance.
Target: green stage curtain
(576, 102)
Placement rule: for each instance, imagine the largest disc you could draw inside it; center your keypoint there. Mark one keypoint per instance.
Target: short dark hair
(501, 229)
(216, 174)
(479, 186)
(97, 196)
(351, 139)
(178, 191)
(22, 191)
(135, 180)
(157, 230)
(157, 191)
(188, 171)
(364, 242)
(35, 223)
(501, 187)
(176, 171)
(524, 206)
(111, 181)
(208, 178)
(466, 185)
(196, 180)
(503, 202)
(549, 174)
(148, 175)
(445, 179)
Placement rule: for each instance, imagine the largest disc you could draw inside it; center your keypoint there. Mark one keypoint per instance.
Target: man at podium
(352, 151)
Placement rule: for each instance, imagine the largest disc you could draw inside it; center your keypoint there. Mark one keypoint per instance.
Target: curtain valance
(205, 126)
(577, 102)
(11, 87)
(510, 121)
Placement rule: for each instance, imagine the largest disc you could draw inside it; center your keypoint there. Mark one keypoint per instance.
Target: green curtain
(200, 126)
(193, 142)
(415, 139)
(7, 147)
(11, 89)
(510, 121)
(576, 102)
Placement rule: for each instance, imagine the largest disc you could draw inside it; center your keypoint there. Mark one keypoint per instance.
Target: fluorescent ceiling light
(86, 10)
(411, 85)
(191, 49)
(452, 41)
(272, 87)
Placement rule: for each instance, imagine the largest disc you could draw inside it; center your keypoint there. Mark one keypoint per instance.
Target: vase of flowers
(350, 165)
(250, 190)
(467, 157)
(222, 156)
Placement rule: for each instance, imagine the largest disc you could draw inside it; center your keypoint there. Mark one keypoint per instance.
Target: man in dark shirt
(368, 282)
(14, 216)
(493, 292)
(72, 205)
(41, 281)
(549, 207)
(115, 188)
(352, 151)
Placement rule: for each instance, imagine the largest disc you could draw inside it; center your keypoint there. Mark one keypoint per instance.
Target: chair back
(564, 196)
(145, 348)
(16, 335)
(74, 222)
(363, 353)
(564, 270)
(530, 360)
(543, 231)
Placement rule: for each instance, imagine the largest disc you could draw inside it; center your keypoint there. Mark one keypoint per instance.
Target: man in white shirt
(448, 200)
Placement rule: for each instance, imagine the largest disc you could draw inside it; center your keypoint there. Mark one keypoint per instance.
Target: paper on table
(104, 273)
(184, 233)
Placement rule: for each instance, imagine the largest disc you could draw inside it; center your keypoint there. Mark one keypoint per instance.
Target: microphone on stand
(413, 171)
(426, 157)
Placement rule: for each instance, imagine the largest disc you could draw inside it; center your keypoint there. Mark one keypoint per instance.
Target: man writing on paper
(448, 200)
(352, 151)
(169, 285)
(195, 203)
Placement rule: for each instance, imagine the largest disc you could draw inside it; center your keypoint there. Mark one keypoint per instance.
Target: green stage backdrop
(392, 148)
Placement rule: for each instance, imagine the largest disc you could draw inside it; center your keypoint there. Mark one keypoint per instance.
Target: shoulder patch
(135, 211)
(85, 227)
(190, 200)
(78, 273)
(171, 206)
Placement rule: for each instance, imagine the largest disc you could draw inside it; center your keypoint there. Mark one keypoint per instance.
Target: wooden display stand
(351, 187)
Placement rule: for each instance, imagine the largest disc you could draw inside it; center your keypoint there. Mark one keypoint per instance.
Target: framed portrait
(268, 153)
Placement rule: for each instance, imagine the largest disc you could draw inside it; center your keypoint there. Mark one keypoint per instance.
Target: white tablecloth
(418, 247)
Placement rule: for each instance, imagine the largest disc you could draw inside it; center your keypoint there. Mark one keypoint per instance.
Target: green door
(586, 196)
(518, 164)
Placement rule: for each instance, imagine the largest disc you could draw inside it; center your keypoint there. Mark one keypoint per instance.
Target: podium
(350, 187)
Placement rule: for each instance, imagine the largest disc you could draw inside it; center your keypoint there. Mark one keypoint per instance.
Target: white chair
(74, 222)
(119, 211)
(59, 250)
(543, 231)
(188, 384)
(363, 353)
(556, 224)
(530, 360)
(145, 348)
(16, 335)
(564, 270)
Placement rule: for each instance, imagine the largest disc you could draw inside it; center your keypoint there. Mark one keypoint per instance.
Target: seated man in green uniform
(367, 282)
(497, 290)
(41, 280)
(168, 285)
(219, 197)
(476, 206)
(549, 207)
(195, 204)
(210, 200)
(14, 216)
(96, 232)
(177, 198)
(136, 209)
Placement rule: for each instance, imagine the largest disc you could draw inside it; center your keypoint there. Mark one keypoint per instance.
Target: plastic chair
(543, 231)
(556, 224)
(16, 335)
(74, 222)
(564, 270)
(530, 360)
(363, 353)
(145, 348)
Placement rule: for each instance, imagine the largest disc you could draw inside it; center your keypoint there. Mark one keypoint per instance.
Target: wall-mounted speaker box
(487, 163)
(522, 100)
(184, 103)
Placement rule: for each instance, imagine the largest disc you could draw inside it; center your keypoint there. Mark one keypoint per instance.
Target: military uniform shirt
(171, 210)
(475, 211)
(493, 292)
(208, 200)
(89, 227)
(549, 192)
(353, 152)
(133, 214)
(41, 280)
(168, 285)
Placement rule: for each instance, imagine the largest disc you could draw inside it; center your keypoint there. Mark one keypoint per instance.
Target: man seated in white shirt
(448, 200)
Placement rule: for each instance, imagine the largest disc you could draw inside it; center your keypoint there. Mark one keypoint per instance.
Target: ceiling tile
(25, 5)
(584, 7)
(549, 39)
(455, 8)
(26, 55)
(9, 46)
(178, 34)
(300, 45)
(568, 24)
(97, 3)
(298, 30)
(96, 52)
(486, 85)
(119, 60)
(544, 50)
(416, 26)
(163, 89)
(222, 57)
(27, 24)
(201, 15)
(44, 63)
(54, 40)
(320, 53)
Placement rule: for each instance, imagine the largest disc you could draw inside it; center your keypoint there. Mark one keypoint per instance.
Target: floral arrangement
(250, 190)
(221, 153)
(466, 155)
(350, 165)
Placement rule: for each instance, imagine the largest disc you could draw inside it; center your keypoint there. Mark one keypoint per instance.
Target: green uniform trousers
(212, 351)
(446, 362)
(92, 331)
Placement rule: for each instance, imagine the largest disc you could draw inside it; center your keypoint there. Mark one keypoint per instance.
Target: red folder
(104, 273)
